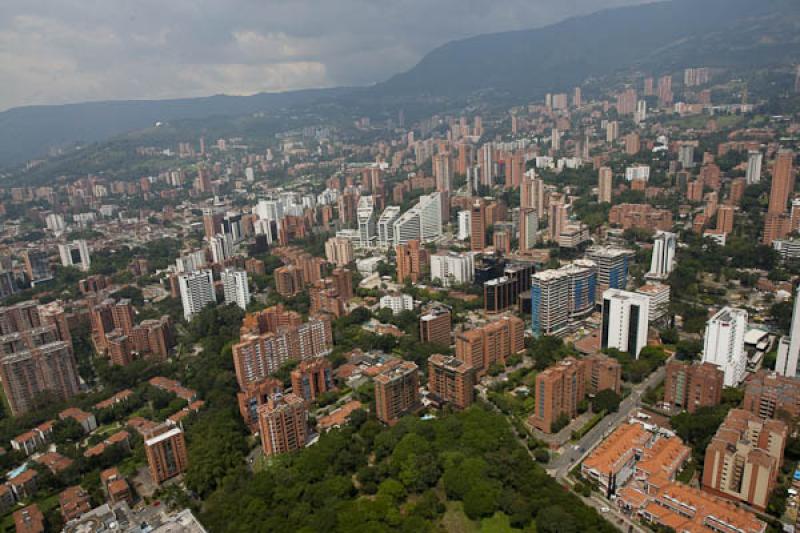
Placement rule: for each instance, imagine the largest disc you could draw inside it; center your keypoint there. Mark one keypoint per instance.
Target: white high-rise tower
(663, 260)
(789, 347)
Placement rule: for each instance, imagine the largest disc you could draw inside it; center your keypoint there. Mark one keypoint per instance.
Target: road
(573, 454)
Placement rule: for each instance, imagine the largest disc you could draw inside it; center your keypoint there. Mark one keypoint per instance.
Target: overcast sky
(57, 51)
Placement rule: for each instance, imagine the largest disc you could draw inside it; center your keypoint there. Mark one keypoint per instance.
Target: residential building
(339, 251)
(642, 216)
(453, 268)
(412, 259)
(423, 222)
(789, 348)
(724, 344)
(658, 294)
(754, 162)
(386, 226)
(559, 390)
(435, 326)
(288, 280)
(691, 386)
(397, 303)
(365, 214)
(601, 373)
(613, 462)
(771, 395)
(283, 424)
(451, 380)
(491, 344)
(477, 234)
(744, 458)
(197, 291)
(235, 287)
(397, 392)
(312, 378)
(528, 230)
(605, 180)
(165, 448)
(625, 321)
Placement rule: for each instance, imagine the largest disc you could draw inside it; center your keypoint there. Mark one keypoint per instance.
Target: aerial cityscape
(543, 280)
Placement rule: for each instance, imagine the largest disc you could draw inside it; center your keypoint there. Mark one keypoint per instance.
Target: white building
(191, 261)
(75, 253)
(423, 222)
(221, 247)
(397, 303)
(663, 259)
(234, 285)
(197, 291)
(754, 161)
(55, 223)
(724, 344)
(464, 225)
(625, 321)
(658, 294)
(637, 172)
(452, 267)
(386, 226)
(789, 347)
(365, 213)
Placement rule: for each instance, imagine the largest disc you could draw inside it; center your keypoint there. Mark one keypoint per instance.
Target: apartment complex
(312, 378)
(560, 388)
(724, 344)
(451, 380)
(562, 296)
(744, 457)
(770, 395)
(412, 261)
(491, 344)
(642, 216)
(612, 267)
(691, 386)
(274, 336)
(625, 321)
(283, 424)
(197, 291)
(165, 448)
(396, 392)
(435, 326)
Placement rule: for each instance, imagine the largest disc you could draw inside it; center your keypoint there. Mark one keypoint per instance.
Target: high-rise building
(686, 155)
(663, 259)
(165, 448)
(75, 254)
(557, 219)
(561, 296)
(532, 193)
(528, 229)
(453, 268)
(658, 294)
(288, 280)
(559, 390)
(789, 348)
(283, 424)
(33, 369)
(754, 162)
(197, 291)
(443, 171)
(273, 337)
(724, 344)
(235, 287)
(339, 251)
(37, 265)
(386, 226)
(397, 392)
(491, 344)
(625, 321)
(691, 386)
(423, 222)
(633, 144)
(412, 259)
(502, 293)
(365, 214)
(464, 225)
(612, 131)
(612, 267)
(477, 235)
(605, 179)
(435, 326)
(451, 380)
(782, 182)
(312, 378)
(725, 219)
(770, 395)
(744, 458)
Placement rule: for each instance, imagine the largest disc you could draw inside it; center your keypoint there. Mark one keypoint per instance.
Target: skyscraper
(478, 226)
(528, 229)
(561, 296)
(235, 287)
(443, 171)
(423, 222)
(782, 182)
(625, 321)
(724, 344)
(612, 266)
(366, 221)
(789, 347)
(197, 291)
(532, 193)
(754, 162)
(605, 178)
(663, 259)
(451, 380)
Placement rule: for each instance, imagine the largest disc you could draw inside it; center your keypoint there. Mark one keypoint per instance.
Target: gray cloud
(56, 51)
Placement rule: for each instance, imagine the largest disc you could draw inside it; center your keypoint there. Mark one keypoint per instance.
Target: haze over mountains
(521, 64)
